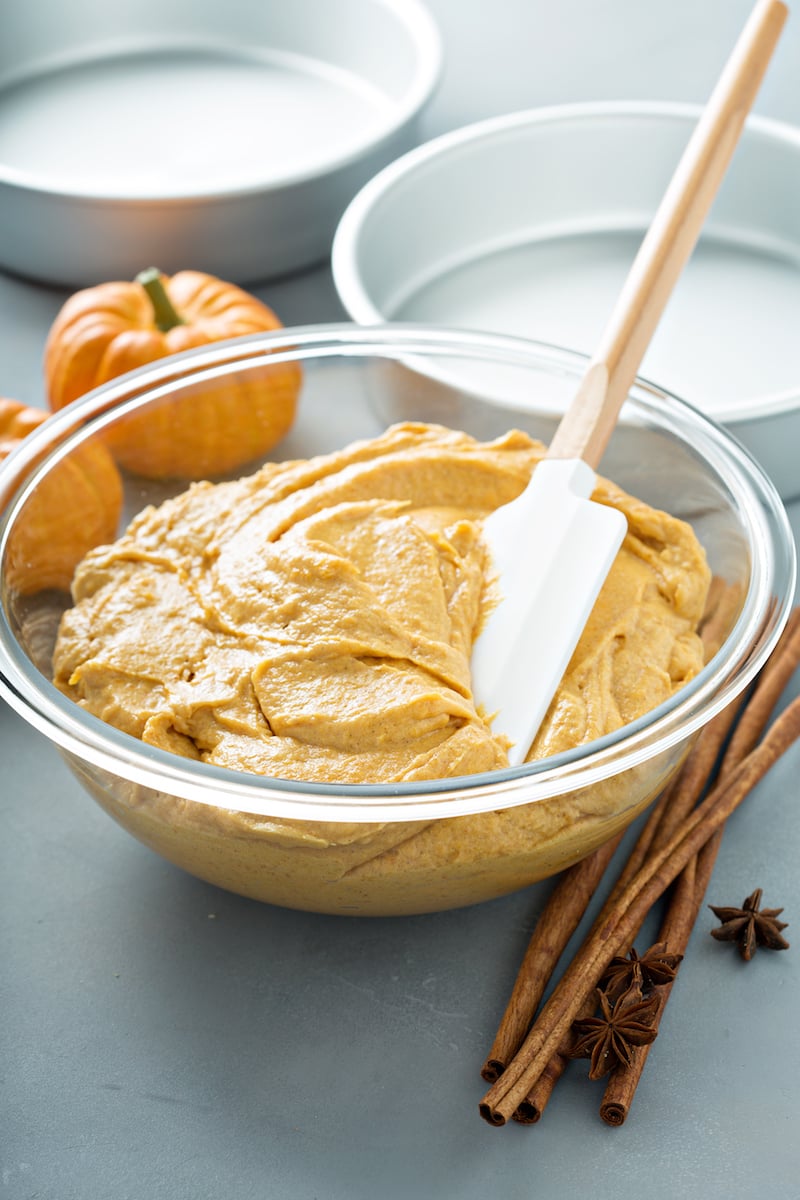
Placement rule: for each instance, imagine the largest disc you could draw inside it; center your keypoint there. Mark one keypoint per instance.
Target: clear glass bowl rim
(85, 737)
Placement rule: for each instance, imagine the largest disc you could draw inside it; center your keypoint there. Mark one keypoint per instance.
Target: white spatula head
(551, 551)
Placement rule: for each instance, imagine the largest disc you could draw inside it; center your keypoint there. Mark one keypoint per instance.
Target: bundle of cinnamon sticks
(672, 859)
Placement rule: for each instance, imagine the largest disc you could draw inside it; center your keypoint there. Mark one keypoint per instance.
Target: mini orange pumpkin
(75, 508)
(104, 331)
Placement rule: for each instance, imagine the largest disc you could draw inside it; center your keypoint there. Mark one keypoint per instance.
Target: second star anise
(651, 969)
(609, 1038)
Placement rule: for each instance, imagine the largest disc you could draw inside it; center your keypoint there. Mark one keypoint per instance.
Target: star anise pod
(646, 971)
(609, 1038)
(750, 926)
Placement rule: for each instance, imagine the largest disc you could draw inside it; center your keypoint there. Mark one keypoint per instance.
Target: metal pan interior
(188, 104)
(527, 225)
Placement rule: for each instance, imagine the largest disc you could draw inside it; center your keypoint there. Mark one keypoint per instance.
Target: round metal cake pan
(226, 137)
(527, 224)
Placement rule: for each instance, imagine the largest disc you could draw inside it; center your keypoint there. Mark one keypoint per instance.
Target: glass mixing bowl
(400, 848)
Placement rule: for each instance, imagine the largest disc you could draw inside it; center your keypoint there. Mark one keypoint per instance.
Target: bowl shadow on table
(354, 1046)
(321, 1032)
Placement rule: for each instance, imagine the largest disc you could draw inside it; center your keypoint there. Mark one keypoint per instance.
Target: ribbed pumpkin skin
(75, 508)
(104, 331)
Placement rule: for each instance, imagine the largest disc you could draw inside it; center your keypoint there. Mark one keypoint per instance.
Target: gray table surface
(161, 1038)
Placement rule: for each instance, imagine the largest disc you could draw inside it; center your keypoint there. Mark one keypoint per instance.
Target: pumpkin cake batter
(314, 621)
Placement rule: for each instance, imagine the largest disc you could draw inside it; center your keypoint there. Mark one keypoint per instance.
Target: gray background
(160, 1038)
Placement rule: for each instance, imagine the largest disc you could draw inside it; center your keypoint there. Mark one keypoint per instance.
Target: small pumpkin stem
(165, 315)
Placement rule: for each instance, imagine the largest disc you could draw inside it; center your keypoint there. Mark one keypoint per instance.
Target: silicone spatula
(552, 547)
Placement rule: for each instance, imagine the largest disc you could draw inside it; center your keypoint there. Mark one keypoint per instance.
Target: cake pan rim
(427, 43)
(359, 304)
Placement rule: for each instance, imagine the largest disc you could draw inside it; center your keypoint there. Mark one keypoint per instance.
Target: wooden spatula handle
(589, 422)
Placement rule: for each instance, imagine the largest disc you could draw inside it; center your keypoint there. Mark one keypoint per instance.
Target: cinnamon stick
(530, 1110)
(558, 921)
(675, 931)
(771, 684)
(674, 803)
(538, 965)
(629, 911)
(723, 603)
(691, 886)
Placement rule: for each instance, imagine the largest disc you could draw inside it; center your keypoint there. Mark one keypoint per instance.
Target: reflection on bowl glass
(412, 844)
